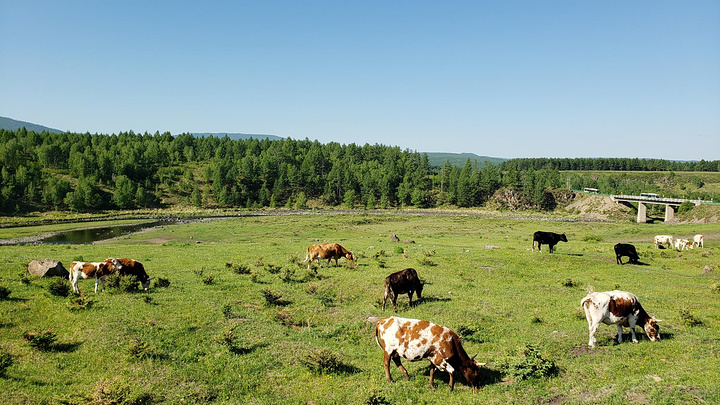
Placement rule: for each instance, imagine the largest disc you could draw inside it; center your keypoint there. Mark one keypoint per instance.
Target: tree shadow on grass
(64, 347)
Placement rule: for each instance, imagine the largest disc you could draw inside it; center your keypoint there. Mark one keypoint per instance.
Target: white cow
(698, 241)
(663, 240)
(618, 308)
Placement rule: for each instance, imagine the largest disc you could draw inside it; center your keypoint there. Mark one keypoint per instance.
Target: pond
(84, 236)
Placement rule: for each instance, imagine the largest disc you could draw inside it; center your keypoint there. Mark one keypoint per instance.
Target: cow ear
(657, 320)
(473, 358)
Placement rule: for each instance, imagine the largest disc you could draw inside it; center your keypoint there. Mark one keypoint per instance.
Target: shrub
(685, 206)
(592, 238)
(689, 318)
(162, 282)
(273, 269)
(240, 268)
(323, 361)
(41, 340)
(471, 333)
(6, 360)
(399, 250)
(376, 398)
(24, 277)
(529, 364)
(119, 392)
(59, 287)
(287, 275)
(4, 292)
(128, 284)
(272, 298)
(138, 349)
(209, 279)
(568, 283)
(80, 303)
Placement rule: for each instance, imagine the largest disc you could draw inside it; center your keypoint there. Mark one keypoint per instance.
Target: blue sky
(498, 78)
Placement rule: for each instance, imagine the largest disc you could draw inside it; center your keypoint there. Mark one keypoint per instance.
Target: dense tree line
(83, 172)
(621, 164)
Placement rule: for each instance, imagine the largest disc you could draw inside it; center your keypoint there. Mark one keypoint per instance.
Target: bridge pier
(669, 212)
(642, 213)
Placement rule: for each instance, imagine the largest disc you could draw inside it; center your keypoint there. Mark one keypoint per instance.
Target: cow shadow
(431, 299)
(488, 376)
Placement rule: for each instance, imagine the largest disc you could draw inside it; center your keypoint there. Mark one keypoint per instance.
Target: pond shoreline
(37, 239)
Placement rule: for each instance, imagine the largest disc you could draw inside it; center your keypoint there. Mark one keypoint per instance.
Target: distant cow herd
(414, 339)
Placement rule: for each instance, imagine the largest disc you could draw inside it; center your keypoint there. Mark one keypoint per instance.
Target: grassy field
(283, 335)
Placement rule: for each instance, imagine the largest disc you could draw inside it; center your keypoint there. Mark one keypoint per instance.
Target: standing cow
(402, 282)
(97, 270)
(327, 251)
(698, 240)
(131, 267)
(547, 238)
(626, 249)
(659, 240)
(619, 308)
(413, 340)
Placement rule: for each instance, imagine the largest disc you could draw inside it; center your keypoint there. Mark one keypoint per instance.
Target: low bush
(323, 361)
(59, 287)
(41, 340)
(162, 282)
(4, 292)
(528, 364)
(6, 360)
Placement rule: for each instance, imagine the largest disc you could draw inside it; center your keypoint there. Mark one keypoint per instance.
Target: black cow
(402, 282)
(548, 238)
(626, 249)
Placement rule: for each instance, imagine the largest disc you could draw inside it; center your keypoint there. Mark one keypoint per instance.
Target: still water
(82, 236)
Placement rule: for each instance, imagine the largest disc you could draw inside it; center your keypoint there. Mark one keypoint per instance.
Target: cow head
(146, 283)
(472, 374)
(419, 289)
(563, 238)
(116, 265)
(349, 256)
(652, 329)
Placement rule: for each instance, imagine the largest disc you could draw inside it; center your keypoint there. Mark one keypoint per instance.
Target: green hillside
(438, 159)
(14, 125)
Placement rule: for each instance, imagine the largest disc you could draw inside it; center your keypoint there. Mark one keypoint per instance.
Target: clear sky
(498, 78)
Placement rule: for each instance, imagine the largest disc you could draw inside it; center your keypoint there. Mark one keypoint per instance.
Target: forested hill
(11, 124)
(621, 164)
(237, 136)
(79, 172)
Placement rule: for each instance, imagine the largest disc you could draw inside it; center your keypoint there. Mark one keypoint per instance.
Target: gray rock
(47, 268)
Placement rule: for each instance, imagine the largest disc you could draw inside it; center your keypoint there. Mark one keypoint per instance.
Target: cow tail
(377, 336)
(307, 255)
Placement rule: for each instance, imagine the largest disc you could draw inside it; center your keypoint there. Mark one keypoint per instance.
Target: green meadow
(234, 317)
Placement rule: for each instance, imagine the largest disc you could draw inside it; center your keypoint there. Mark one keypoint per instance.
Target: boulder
(47, 268)
(707, 269)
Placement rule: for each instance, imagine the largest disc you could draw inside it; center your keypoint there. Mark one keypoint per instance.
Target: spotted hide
(97, 270)
(327, 251)
(413, 339)
(618, 308)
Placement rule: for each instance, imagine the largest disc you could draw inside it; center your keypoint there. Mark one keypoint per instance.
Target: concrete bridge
(642, 202)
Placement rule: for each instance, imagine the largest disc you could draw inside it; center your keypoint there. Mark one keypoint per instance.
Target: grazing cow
(402, 282)
(663, 240)
(413, 340)
(98, 270)
(548, 238)
(327, 251)
(131, 267)
(683, 244)
(626, 249)
(620, 308)
(698, 240)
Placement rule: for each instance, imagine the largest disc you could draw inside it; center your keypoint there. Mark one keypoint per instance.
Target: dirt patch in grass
(599, 207)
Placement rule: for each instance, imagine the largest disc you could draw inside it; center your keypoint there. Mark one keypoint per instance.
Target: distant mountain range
(14, 125)
(435, 158)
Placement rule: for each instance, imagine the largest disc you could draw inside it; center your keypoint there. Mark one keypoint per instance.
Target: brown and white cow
(698, 240)
(663, 240)
(131, 267)
(619, 308)
(402, 282)
(98, 270)
(413, 340)
(683, 244)
(327, 251)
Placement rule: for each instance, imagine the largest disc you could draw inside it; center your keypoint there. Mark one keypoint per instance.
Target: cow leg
(631, 323)
(97, 280)
(452, 380)
(620, 332)
(396, 359)
(551, 247)
(386, 363)
(385, 296)
(432, 376)
(410, 294)
(592, 328)
(394, 301)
